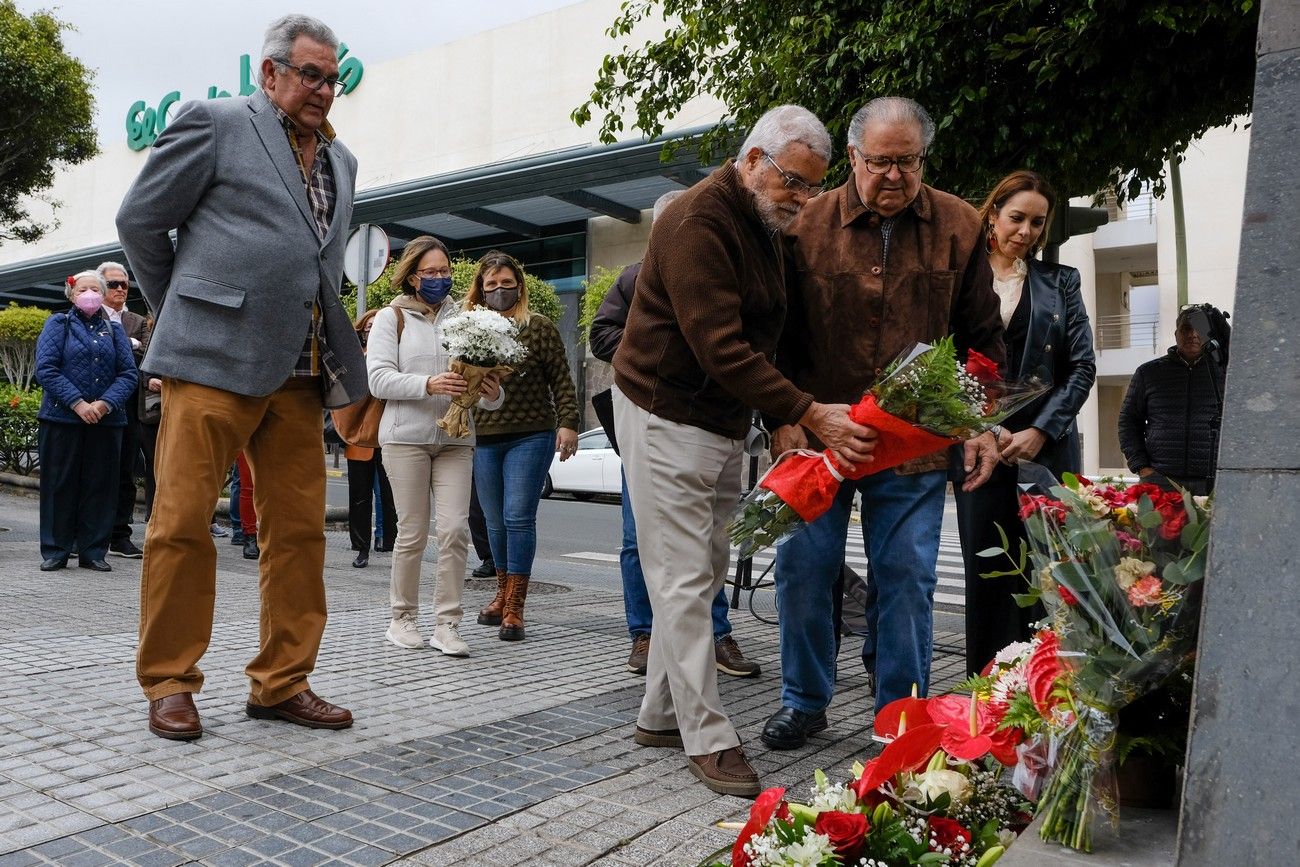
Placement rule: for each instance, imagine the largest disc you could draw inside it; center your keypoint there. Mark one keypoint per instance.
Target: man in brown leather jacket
(696, 356)
(884, 262)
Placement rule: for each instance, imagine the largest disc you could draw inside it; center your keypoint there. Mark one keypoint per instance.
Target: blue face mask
(434, 290)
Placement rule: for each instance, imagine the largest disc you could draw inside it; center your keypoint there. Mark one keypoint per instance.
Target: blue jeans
(509, 476)
(636, 599)
(901, 520)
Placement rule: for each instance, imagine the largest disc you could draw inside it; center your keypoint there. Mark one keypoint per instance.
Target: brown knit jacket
(706, 315)
(539, 394)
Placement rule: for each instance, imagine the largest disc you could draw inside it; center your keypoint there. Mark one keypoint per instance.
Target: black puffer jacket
(1169, 418)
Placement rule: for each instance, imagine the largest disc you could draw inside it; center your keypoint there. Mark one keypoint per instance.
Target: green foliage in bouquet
(765, 520)
(931, 390)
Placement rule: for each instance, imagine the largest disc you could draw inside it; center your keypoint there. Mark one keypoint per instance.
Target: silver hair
(105, 267)
(663, 202)
(890, 109)
(283, 32)
(67, 289)
(784, 125)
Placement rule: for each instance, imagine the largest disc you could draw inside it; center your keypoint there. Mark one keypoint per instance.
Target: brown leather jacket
(852, 312)
(706, 315)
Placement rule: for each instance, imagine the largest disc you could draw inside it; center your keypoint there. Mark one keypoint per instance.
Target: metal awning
(522, 198)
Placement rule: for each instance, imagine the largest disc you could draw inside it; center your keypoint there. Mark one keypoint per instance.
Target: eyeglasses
(880, 165)
(434, 272)
(312, 79)
(796, 183)
(118, 284)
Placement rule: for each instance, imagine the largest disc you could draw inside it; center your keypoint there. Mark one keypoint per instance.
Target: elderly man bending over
(697, 356)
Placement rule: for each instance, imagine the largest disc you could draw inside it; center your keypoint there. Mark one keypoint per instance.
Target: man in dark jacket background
(1169, 424)
(606, 332)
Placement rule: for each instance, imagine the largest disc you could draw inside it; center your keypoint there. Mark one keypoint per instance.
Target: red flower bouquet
(922, 404)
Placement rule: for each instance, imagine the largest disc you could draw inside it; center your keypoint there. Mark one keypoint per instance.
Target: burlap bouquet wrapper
(455, 423)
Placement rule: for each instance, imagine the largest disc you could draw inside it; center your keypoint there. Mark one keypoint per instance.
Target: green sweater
(539, 394)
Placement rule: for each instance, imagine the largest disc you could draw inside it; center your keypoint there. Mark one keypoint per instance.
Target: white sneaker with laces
(446, 637)
(404, 632)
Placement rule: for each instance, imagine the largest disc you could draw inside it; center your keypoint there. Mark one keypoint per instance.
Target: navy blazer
(1058, 352)
(84, 358)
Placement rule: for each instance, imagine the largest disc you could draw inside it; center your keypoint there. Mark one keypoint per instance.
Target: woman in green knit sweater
(515, 443)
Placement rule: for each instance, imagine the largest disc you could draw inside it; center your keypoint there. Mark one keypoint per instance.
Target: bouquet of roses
(480, 341)
(1119, 569)
(924, 402)
(933, 796)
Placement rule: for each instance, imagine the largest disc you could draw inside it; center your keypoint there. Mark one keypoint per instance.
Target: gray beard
(773, 217)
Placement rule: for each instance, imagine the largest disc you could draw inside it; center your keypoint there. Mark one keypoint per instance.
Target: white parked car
(595, 468)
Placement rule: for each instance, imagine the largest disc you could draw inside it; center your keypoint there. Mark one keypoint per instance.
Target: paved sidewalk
(521, 753)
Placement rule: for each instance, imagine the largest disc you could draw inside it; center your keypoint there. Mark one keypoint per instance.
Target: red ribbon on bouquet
(808, 482)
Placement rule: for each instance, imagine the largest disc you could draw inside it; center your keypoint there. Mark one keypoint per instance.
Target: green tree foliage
(18, 429)
(541, 295)
(594, 290)
(45, 115)
(1095, 94)
(19, 328)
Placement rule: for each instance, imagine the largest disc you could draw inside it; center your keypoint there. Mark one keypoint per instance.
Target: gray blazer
(232, 300)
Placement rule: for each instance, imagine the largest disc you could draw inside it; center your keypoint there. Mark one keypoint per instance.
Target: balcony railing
(1124, 330)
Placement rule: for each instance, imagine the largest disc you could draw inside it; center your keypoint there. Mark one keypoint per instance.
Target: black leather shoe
(788, 729)
(362, 561)
(238, 537)
(54, 564)
(486, 569)
(96, 565)
(251, 551)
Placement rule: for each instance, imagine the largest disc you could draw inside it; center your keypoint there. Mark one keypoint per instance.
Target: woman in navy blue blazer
(85, 366)
(1049, 339)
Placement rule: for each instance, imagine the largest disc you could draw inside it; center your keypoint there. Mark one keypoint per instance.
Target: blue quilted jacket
(80, 358)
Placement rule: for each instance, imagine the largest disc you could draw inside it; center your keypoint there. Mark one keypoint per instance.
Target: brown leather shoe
(512, 616)
(175, 718)
(729, 659)
(491, 613)
(668, 738)
(640, 657)
(304, 709)
(726, 772)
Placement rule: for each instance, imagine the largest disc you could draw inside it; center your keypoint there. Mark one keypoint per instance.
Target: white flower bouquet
(481, 342)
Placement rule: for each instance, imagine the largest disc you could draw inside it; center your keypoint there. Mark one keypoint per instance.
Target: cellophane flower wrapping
(480, 341)
(924, 402)
(1119, 569)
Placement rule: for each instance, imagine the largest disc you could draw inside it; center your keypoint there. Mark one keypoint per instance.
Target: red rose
(1172, 528)
(1066, 596)
(948, 834)
(847, 831)
(981, 367)
(765, 805)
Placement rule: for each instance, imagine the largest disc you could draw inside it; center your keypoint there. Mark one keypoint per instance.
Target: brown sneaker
(726, 772)
(667, 738)
(636, 663)
(727, 655)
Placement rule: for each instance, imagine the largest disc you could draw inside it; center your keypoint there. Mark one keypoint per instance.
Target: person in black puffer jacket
(1169, 424)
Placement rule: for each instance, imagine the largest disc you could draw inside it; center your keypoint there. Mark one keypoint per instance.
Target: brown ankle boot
(491, 613)
(512, 617)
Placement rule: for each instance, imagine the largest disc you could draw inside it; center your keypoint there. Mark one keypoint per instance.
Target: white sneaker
(446, 637)
(403, 632)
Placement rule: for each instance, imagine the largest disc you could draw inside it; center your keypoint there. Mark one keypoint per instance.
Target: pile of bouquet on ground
(1118, 569)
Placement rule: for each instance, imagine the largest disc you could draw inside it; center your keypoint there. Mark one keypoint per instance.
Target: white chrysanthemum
(1013, 653)
(483, 337)
(1009, 683)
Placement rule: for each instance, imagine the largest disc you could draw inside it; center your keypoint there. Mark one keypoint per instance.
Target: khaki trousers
(413, 472)
(684, 483)
(202, 429)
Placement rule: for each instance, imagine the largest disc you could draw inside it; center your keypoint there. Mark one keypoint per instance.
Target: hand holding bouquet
(481, 342)
(923, 403)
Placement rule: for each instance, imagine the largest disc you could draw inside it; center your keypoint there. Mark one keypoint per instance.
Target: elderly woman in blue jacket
(85, 366)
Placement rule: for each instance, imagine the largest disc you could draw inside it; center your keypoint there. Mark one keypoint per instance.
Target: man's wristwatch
(997, 430)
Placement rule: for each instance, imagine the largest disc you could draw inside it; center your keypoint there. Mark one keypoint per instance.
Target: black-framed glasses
(880, 165)
(117, 284)
(312, 78)
(796, 183)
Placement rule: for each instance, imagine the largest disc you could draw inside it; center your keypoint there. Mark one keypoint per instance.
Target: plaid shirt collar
(319, 182)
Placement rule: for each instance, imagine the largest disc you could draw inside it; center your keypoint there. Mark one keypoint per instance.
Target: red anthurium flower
(909, 752)
(765, 806)
(981, 366)
(847, 833)
(1043, 669)
(968, 742)
(948, 834)
(902, 713)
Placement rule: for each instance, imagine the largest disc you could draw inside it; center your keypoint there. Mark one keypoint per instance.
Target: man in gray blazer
(251, 342)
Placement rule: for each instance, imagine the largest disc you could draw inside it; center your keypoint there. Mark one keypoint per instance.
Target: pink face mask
(89, 302)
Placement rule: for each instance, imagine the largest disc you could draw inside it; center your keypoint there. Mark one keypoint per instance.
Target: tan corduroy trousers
(415, 471)
(202, 429)
(685, 484)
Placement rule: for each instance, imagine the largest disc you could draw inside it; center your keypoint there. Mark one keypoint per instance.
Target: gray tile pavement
(520, 753)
